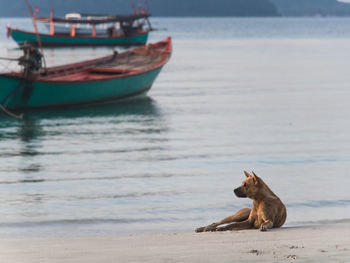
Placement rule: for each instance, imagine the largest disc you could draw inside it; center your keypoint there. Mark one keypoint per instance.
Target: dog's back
(268, 204)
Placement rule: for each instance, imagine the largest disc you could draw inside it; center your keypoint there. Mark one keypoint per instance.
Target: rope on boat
(11, 114)
(3, 105)
(10, 95)
(10, 59)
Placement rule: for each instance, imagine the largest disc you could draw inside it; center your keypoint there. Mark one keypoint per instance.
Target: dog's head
(250, 186)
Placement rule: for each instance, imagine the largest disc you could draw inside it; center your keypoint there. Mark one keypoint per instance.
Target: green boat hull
(16, 94)
(57, 40)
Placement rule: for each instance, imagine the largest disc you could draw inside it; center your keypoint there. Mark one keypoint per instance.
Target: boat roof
(73, 16)
(96, 19)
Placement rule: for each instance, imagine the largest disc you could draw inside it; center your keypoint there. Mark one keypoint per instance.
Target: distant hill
(17, 8)
(213, 8)
(312, 7)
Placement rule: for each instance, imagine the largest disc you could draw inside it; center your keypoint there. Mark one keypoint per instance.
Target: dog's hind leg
(247, 224)
(240, 216)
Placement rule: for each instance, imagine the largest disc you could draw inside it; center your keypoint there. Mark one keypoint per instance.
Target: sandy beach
(321, 243)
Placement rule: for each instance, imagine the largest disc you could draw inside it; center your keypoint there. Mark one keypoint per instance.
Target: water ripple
(321, 203)
(81, 179)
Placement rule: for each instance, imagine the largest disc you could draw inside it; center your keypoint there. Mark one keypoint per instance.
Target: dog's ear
(247, 174)
(255, 178)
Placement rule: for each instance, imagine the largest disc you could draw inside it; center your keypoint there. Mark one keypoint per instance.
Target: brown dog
(267, 212)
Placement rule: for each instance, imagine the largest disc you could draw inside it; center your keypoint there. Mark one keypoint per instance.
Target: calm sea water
(269, 95)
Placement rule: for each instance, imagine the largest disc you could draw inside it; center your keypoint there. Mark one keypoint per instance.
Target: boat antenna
(147, 6)
(133, 6)
(32, 15)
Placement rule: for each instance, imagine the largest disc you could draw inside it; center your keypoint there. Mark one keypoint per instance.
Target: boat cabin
(76, 24)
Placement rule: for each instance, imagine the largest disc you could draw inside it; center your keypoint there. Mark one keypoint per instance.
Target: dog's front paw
(262, 228)
(206, 229)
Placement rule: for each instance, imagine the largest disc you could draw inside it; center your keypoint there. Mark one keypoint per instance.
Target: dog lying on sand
(267, 212)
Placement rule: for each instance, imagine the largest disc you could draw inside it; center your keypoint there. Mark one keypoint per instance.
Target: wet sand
(321, 243)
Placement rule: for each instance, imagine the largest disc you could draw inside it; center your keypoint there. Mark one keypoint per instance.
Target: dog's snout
(239, 192)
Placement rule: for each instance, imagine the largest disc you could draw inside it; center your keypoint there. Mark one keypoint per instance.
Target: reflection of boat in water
(140, 106)
(88, 30)
(99, 80)
(38, 127)
(129, 111)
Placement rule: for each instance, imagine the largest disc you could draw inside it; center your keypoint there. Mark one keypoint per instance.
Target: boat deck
(121, 65)
(135, 60)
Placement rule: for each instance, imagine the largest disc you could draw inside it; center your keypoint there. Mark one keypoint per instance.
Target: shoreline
(316, 243)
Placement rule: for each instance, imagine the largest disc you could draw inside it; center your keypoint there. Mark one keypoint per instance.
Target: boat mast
(32, 15)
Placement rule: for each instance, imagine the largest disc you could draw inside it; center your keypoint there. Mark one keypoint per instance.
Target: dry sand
(322, 243)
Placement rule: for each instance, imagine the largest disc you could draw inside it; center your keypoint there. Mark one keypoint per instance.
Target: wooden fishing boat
(109, 78)
(120, 30)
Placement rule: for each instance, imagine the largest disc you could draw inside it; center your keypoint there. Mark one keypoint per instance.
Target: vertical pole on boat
(32, 15)
(93, 30)
(52, 25)
(72, 30)
(36, 31)
(119, 29)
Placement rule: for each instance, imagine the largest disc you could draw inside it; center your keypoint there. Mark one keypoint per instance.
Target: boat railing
(111, 71)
